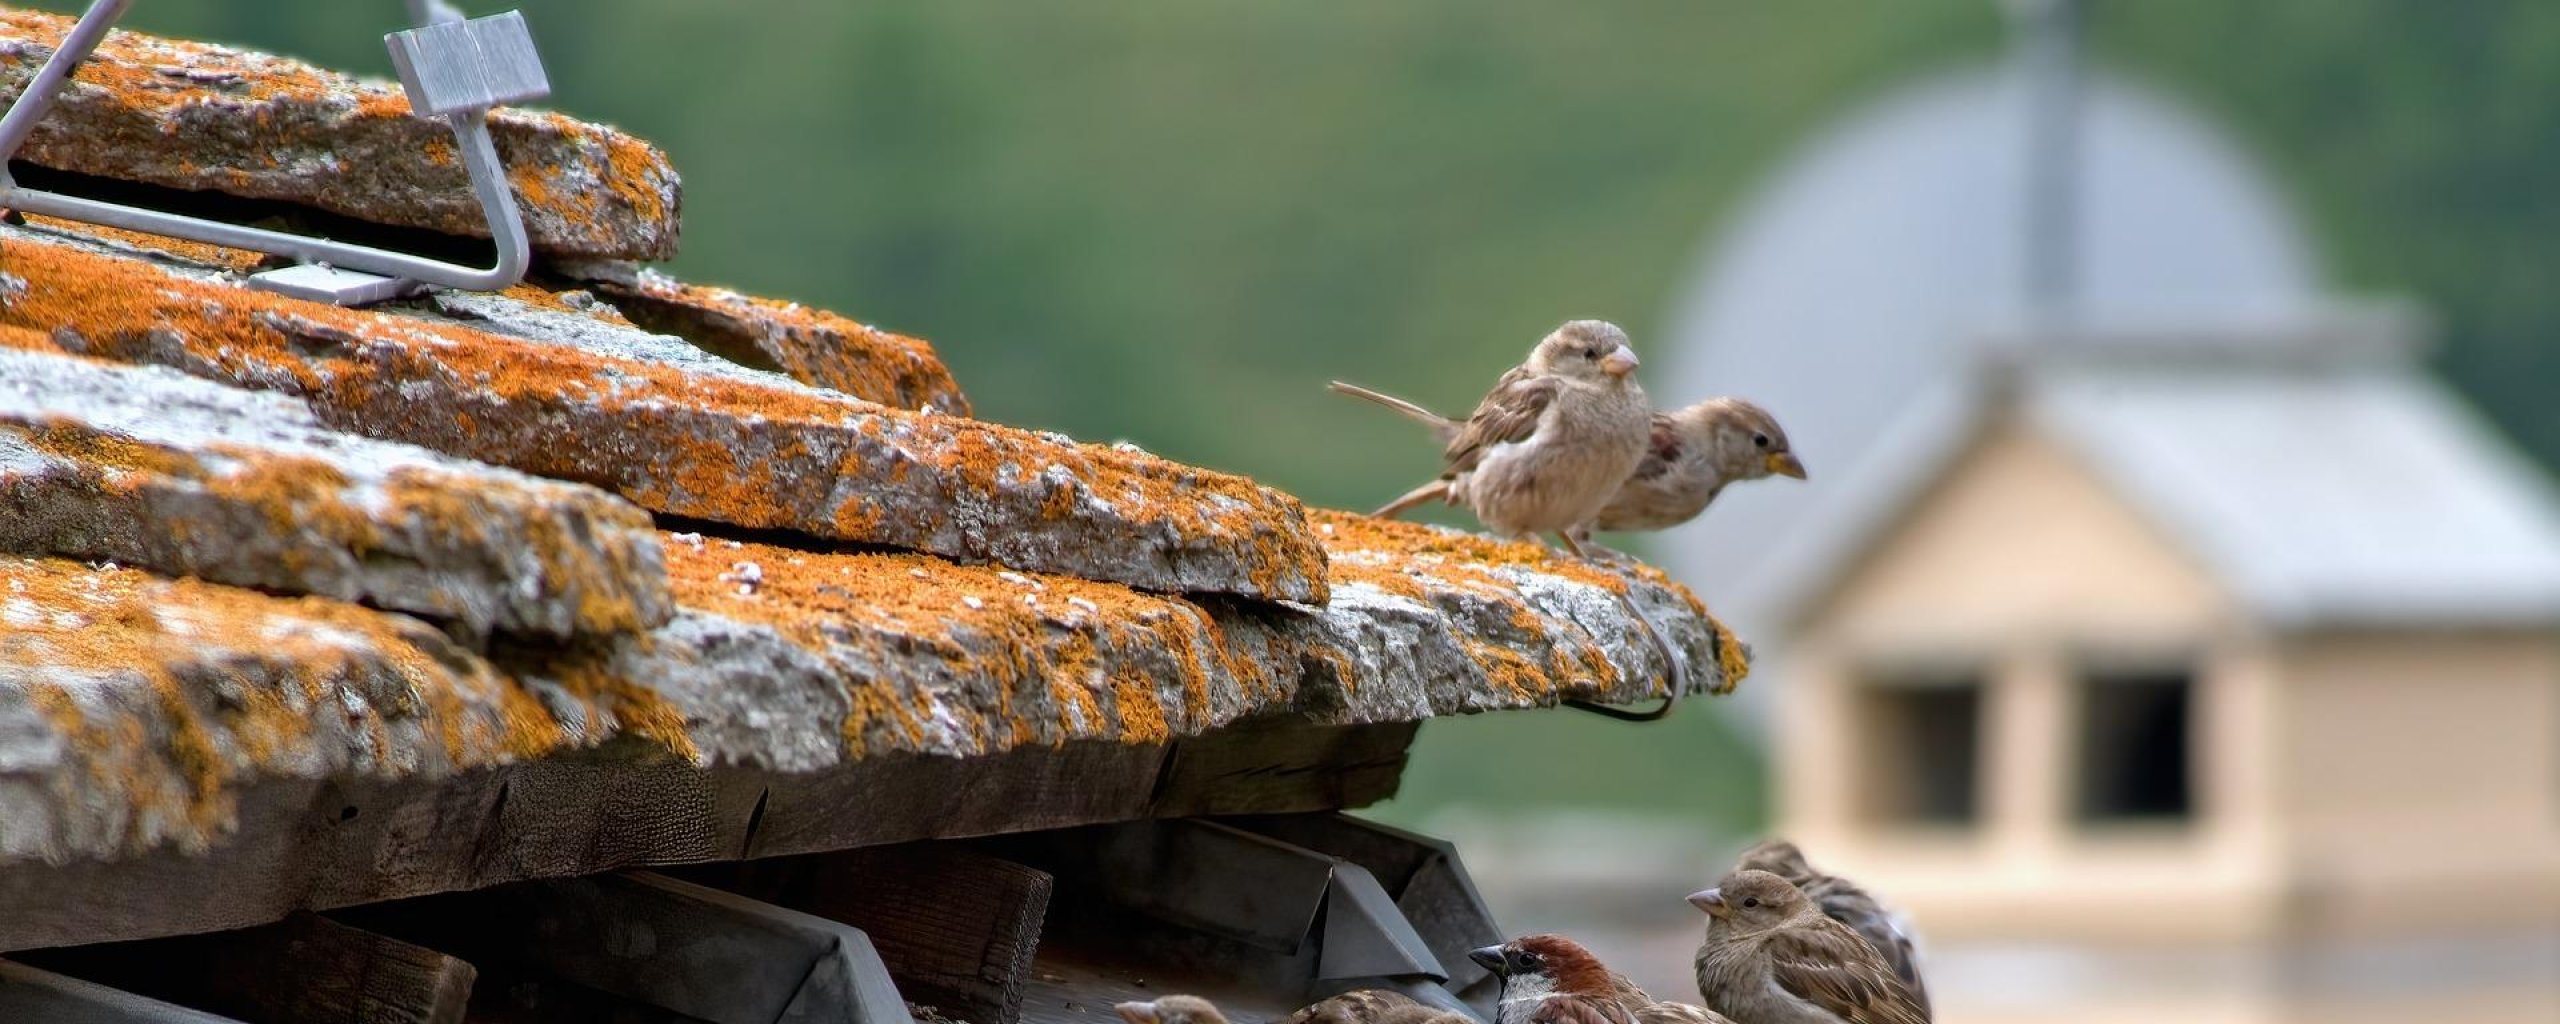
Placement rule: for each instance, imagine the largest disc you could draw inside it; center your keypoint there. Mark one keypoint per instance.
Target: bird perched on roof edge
(1374, 1006)
(1648, 1010)
(1770, 957)
(1550, 979)
(1691, 454)
(1844, 901)
(1695, 451)
(1548, 446)
(1173, 1009)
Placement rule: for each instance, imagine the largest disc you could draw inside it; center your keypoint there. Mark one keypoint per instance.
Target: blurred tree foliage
(1170, 221)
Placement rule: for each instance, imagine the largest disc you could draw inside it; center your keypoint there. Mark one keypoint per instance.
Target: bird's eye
(1760, 440)
(1590, 353)
(1751, 902)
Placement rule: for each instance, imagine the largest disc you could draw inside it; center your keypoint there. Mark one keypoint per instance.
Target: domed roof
(1852, 296)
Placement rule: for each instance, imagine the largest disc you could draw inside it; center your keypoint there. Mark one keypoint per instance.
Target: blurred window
(1922, 743)
(2135, 743)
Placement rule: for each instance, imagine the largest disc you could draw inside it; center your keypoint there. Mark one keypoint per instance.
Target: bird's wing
(1627, 990)
(1663, 452)
(1843, 901)
(1678, 1013)
(1360, 1007)
(1571, 1009)
(1509, 412)
(1826, 964)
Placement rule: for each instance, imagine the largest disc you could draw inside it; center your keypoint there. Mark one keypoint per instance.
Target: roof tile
(153, 468)
(683, 434)
(202, 117)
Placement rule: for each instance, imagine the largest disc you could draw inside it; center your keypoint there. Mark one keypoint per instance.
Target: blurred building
(2178, 650)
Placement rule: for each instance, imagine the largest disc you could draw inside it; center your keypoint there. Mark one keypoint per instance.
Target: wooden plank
(303, 970)
(1283, 768)
(325, 845)
(958, 929)
(902, 797)
(29, 994)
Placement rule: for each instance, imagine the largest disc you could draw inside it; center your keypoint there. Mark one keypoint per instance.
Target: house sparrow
(1770, 957)
(1694, 453)
(1171, 1010)
(1648, 1010)
(1549, 445)
(1842, 900)
(1375, 1006)
(1549, 979)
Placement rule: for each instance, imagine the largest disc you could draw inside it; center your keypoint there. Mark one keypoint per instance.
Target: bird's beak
(1137, 1013)
(1489, 958)
(1785, 464)
(1709, 900)
(1619, 362)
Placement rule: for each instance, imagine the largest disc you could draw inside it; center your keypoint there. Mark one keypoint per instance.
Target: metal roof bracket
(454, 69)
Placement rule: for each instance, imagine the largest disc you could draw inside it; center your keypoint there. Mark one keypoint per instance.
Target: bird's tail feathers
(1435, 490)
(1442, 426)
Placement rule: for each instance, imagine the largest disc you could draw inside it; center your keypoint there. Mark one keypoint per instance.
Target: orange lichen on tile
(730, 449)
(1435, 566)
(585, 190)
(113, 455)
(242, 686)
(205, 253)
(1021, 658)
(590, 555)
(812, 345)
(543, 298)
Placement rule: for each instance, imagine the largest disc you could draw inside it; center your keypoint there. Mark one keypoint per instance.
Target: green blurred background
(1170, 221)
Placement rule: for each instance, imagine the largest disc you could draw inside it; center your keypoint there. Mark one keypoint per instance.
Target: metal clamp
(450, 68)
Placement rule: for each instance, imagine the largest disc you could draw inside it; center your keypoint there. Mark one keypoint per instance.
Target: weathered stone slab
(134, 709)
(814, 346)
(703, 440)
(153, 468)
(1481, 623)
(202, 117)
(902, 373)
(792, 659)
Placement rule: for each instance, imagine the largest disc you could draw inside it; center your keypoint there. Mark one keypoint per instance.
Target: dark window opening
(2136, 747)
(1923, 745)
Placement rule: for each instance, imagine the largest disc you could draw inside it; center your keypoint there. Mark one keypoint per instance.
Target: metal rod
(471, 136)
(40, 91)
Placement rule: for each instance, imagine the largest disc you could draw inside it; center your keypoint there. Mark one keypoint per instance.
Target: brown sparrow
(1374, 1006)
(1549, 445)
(1171, 1010)
(1648, 1010)
(1770, 957)
(1842, 900)
(1550, 979)
(1695, 452)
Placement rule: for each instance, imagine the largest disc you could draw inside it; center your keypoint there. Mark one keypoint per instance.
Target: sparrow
(1550, 979)
(1770, 957)
(1648, 1010)
(1694, 453)
(1842, 900)
(1375, 1006)
(1171, 1010)
(1549, 445)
